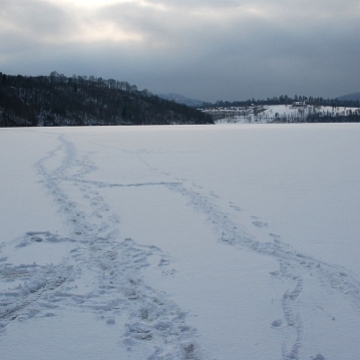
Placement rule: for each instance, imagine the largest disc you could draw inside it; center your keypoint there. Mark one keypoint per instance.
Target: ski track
(115, 266)
(294, 266)
(110, 266)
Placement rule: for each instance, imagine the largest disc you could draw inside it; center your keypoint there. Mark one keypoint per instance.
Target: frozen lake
(181, 242)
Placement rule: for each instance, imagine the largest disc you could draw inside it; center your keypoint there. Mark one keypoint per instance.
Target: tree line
(81, 101)
(287, 100)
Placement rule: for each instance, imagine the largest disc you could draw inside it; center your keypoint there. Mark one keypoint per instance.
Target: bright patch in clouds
(155, 6)
(256, 11)
(105, 31)
(90, 3)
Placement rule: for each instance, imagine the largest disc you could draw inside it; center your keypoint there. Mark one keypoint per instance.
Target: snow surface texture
(183, 242)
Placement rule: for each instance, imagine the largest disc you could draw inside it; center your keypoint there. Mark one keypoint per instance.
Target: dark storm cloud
(205, 49)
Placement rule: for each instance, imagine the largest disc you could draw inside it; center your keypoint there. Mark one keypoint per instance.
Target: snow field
(183, 242)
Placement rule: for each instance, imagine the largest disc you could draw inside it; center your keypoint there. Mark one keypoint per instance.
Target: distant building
(299, 103)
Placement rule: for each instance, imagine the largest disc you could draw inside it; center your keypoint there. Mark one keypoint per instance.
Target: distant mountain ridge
(350, 97)
(80, 101)
(180, 99)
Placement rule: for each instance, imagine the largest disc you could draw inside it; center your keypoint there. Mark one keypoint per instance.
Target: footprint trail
(94, 268)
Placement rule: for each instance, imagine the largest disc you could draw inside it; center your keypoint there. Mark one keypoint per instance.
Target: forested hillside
(59, 101)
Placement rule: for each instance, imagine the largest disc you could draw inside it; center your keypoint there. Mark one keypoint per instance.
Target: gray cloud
(34, 19)
(206, 49)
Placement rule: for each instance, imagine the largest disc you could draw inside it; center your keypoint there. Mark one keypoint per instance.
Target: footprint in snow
(235, 207)
(259, 224)
(276, 323)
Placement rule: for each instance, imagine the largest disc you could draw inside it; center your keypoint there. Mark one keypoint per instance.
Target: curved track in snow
(102, 273)
(296, 268)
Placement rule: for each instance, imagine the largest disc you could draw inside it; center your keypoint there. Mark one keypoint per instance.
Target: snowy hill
(283, 114)
(350, 97)
(59, 101)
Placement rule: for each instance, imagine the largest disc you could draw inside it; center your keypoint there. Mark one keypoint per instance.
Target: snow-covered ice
(180, 242)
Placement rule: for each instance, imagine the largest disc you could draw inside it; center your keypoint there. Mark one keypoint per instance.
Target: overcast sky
(205, 49)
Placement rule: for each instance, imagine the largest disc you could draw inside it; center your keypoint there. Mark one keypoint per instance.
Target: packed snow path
(111, 266)
(114, 278)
